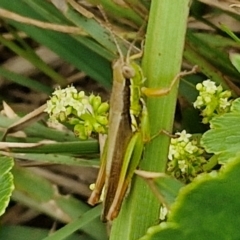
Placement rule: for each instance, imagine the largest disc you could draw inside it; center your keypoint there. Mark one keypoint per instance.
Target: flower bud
(88, 128)
(99, 128)
(62, 117)
(103, 108)
(73, 121)
(96, 102)
(68, 111)
(102, 120)
(81, 94)
(79, 131)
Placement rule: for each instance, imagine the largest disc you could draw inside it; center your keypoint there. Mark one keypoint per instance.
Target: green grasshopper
(127, 134)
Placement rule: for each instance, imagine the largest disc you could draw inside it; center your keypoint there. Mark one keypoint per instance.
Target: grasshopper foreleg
(159, 92)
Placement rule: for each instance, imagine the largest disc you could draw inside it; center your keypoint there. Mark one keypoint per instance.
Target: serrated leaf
(205, 209)
(6, 182)
(224, 137)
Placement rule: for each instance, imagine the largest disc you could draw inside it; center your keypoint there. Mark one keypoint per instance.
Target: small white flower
(182, 165)
(183, 136)
(50, 107)
(60, 93)
(210, 86)
(81, 94)
(163, 212)
(190, 148)
(177, 154)
(224, 103)
(199, 102)
(60, 107)
(207, 99)
(70, 91)
(172, 151)
(68, 101)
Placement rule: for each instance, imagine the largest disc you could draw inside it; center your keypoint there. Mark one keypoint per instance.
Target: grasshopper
(126, 134)
(119, 137)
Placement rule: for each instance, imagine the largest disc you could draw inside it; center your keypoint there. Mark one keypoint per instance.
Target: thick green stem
(162, 62)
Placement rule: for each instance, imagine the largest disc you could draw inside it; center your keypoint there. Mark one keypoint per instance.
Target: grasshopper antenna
(132, 44)
(139, 32)
(111, 31)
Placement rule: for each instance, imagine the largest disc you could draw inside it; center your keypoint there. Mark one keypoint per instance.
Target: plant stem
(161, 63)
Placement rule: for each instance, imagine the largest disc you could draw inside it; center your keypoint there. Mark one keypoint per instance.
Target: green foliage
(223, 137)
(82, 222)
(199, 211)
(24, 81)
(6, 182)
(68, 47)
(167, 189)
(235, 59)
(38, 193)
(31, 233)
(204, 209)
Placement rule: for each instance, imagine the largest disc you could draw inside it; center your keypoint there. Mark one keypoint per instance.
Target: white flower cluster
(185, 157)
(88, 114)
(212, 100)
(64, 101)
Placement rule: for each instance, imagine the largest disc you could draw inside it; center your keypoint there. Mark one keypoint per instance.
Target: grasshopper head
(128, 71)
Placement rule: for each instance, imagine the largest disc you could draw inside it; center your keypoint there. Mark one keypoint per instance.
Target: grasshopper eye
(128, 72)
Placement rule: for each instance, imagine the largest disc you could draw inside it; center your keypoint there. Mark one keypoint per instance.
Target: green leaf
(15, 232)
(56, 159)
(168, 188)
(72, 49)
(41, 195)
(6, 182)
(235, 60)
(81, 222)
(210, 58)
(83, 147)
(117, 11)
(224, 137)
(205, 209)
(25, 81)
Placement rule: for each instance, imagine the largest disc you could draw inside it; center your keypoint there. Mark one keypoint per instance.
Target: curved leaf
(6, 182)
